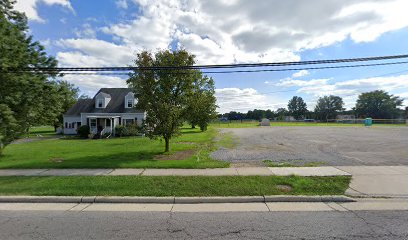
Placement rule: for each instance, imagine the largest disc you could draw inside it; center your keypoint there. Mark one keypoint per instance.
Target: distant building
(265, 122)
(345, 117)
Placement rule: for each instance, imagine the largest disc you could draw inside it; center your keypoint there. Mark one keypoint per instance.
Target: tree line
(27, 99)
(375, 104)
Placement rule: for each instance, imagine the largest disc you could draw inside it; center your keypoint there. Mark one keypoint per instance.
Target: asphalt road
(335, 146)
(235, 225)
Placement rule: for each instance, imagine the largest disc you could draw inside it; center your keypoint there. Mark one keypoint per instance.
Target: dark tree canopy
(328, 107)
(297, 107)
(26, 99)
(378, 104)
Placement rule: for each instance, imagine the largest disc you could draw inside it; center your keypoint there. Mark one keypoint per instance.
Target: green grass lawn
(131, 152)
(41, 131)
(172, 186)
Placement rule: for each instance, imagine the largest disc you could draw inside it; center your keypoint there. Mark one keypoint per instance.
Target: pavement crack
(141, 173)
(86, 207)
(370, 225)
(72, 207)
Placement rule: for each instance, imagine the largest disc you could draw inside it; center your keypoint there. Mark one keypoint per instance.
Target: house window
(100, 103)
(93, 122)
(108, 122)
(128, 121)
(130, 103)
(78, 124)
(66, 125)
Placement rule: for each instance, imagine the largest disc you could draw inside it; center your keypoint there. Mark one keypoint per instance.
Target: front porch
(103, 124)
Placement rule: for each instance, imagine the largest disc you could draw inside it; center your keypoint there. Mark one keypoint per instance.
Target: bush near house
(83, 131)
(127, 131)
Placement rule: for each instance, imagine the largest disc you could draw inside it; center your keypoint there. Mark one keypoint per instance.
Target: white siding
(70, 124)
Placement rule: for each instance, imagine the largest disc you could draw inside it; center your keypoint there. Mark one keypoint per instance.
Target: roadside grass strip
(160, 186)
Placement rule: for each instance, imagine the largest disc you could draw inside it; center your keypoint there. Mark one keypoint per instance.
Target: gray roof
(115, 105)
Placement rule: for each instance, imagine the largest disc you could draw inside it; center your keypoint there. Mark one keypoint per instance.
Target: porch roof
(103, 116)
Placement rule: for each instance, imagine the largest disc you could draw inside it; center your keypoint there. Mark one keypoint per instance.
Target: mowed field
(319, 145)
(43, 149)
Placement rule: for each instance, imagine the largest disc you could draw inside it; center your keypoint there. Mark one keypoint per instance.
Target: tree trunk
(192, 125)
(167, 140)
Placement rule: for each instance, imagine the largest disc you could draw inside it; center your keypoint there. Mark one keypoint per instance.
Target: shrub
(83, 131)
(120, 131)
(129, 130)
(132, 130)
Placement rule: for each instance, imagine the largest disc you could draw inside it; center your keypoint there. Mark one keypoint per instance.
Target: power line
(200, 67)
(234, 71)
(269, 70)
(306, 68)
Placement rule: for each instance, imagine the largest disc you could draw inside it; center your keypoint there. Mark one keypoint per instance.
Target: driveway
(335, 146)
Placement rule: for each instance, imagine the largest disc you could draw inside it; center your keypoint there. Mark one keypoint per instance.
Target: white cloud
(86, 32)
(92, 83)
(93, 52)
(242, 100)
(237, 31)
(403, 95)
(350, 89)
(289, 82)
(301, 73)
(29, 7)
(241, 31)
(121, 4)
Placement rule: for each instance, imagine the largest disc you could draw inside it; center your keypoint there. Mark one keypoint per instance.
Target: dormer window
(102, 100)
(130, 100)
(100, 103)
(130, 103)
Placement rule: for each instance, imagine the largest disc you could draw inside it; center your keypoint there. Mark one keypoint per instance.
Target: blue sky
(111, 32)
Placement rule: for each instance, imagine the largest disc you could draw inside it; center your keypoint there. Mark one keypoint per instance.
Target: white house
(110, 107)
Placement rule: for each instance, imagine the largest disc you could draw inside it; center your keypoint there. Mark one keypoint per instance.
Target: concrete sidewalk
(367, 181)
(378, 181)
(361, 205)
(245, 171)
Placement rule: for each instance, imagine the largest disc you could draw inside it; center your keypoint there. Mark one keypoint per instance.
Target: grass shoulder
(173, 185)
(292, 163)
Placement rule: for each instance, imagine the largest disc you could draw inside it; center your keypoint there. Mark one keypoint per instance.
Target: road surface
(216, 225)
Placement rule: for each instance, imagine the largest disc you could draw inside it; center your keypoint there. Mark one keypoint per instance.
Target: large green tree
(24, 97)
(66, 95)
(165, 93)
(281, 113)
(327, 107)
(378, 104)
(297, 107)
(8, 126)
(201, 107)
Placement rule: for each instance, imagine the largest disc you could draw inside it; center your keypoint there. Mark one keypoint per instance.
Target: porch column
(113, 126)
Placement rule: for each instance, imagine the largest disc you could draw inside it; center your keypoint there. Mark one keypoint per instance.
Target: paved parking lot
(335, 146)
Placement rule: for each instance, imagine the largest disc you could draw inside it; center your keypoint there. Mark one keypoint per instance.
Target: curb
(173, 200)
